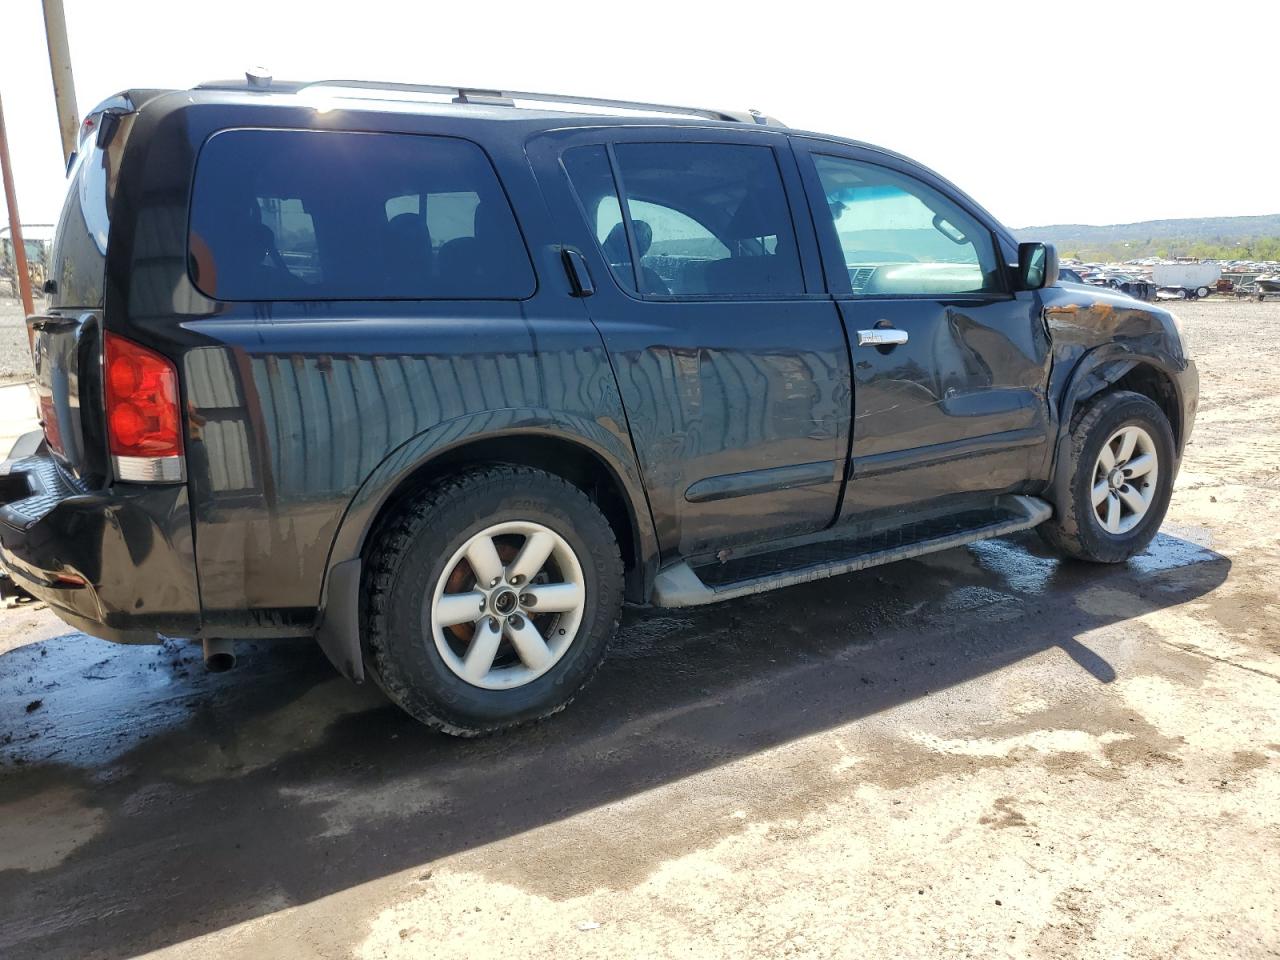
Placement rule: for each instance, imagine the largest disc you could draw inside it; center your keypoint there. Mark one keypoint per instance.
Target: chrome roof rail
(507, 98)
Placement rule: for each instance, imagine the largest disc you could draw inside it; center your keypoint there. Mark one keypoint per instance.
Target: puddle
(1176, 545)
(1024, 572)
(639, 635)
(964, 599)
(78, 701)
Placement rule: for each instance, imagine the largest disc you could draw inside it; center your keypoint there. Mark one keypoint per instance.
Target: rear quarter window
(78, 264)
(323, 215)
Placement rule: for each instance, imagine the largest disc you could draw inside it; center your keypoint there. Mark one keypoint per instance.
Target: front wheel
(490, 599)
(1121, 477)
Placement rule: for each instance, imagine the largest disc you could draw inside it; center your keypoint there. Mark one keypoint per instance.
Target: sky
(1078, 112)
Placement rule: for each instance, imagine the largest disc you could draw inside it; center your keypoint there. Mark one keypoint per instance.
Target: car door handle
(579, 276)
(881, 337)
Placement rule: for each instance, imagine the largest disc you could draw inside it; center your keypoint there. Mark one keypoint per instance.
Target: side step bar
(681, 585)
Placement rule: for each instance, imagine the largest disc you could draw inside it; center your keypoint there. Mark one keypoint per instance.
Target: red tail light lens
(142, 401)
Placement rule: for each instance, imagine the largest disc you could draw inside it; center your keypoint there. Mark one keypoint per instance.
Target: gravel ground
(983, 753)
(15, 351)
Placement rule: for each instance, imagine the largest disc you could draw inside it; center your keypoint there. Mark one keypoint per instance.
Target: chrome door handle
(881, 337)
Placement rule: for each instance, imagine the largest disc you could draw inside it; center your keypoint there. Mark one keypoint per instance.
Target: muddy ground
(985, 753)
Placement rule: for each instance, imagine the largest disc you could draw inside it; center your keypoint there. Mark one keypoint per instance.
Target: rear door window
(701, 219)
(321, 215)
(592, 177)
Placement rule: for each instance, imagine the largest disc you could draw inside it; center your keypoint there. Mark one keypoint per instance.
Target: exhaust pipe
(219, 656)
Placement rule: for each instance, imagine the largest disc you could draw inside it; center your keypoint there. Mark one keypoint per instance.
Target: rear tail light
(144, 424)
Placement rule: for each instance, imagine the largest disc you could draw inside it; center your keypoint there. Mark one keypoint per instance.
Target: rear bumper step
(681, 585)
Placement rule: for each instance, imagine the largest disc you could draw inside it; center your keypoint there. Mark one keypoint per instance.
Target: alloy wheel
(1124, 479)
(508, 605)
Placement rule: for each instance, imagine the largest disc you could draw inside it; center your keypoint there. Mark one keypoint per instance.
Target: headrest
(615, 244)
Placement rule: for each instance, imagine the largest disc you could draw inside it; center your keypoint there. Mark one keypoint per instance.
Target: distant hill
(1252, 238)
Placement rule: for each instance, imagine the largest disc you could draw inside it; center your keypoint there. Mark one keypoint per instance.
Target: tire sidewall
(1134, 410)
(407, 662)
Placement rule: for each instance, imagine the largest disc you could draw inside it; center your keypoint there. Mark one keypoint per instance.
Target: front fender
(1098, 370)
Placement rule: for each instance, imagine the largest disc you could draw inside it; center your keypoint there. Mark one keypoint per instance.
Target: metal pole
(15, 224)
(64, 86)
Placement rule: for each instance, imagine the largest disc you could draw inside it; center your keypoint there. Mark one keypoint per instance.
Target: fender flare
(1095, 372)
(338, 619)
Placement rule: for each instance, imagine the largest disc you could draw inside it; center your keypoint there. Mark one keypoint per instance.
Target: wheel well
(574, 463)
(1157, 387)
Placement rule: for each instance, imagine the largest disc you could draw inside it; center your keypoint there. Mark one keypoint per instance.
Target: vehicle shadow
(157, 803)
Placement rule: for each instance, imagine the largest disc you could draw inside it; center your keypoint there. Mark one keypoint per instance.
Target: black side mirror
(1037, 265)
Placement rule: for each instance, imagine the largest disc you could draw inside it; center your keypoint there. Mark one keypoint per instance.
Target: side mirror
(1037, 265)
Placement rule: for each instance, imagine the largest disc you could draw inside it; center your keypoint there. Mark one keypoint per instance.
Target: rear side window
(318, 215)
(705, 219)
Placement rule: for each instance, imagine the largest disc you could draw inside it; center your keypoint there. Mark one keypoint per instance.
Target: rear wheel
(1122, 465)
(491, 599)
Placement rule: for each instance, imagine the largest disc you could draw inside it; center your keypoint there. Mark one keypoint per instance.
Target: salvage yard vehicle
(1260, 289)
(1186, 280)
(36, 241)
(1133, 286)
(441, 380)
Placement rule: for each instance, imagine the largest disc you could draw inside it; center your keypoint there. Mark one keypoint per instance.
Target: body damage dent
(1097, 339)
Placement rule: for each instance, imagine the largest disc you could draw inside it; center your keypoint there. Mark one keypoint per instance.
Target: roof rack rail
(507, 98)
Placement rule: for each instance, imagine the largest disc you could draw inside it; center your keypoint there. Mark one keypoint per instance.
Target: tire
(1202, 292)
(419, 556)
(1080, 530)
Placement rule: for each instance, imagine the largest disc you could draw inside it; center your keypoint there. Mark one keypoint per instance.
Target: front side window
(899, 237)
(318, 215)
(706, 219)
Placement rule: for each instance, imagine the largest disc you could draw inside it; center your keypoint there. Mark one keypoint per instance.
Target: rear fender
(338, 624)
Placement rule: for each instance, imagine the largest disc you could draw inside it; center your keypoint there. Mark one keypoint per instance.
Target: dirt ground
(15, 349)
(985, 753)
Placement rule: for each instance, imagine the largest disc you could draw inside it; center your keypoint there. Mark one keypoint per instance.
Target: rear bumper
(115, 563)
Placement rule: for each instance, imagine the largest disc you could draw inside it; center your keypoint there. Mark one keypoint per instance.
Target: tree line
(1248, 248)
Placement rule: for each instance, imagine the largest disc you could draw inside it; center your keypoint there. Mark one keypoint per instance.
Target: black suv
(441, 380)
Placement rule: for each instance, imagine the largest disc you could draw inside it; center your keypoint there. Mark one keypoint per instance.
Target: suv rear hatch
(91, 520)
(66, 340)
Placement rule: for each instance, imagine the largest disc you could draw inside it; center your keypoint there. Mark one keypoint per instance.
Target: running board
(681, 585)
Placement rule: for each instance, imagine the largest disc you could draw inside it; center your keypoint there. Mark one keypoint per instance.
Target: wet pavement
(985, 752)
(147, 802)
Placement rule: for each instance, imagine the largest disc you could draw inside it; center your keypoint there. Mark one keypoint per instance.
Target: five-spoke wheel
(1125, 478)
(1118, 476)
